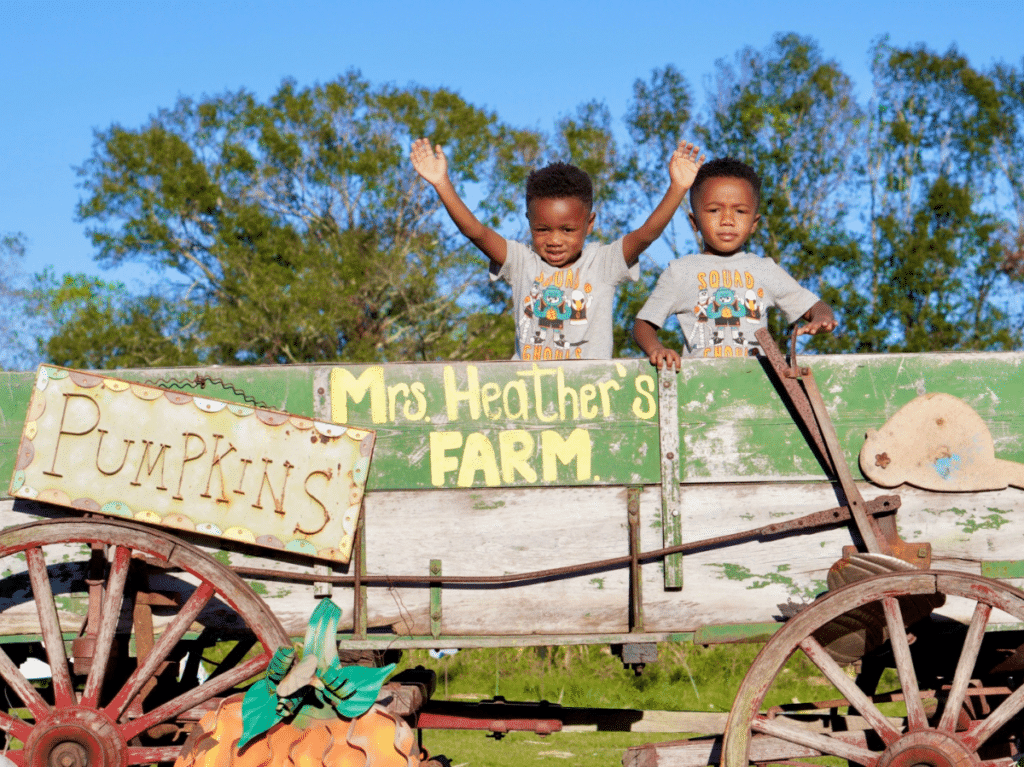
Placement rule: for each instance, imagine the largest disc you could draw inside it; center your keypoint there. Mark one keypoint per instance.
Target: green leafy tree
(17, 327)
(94, 324)
(293, 229)
(934, 270)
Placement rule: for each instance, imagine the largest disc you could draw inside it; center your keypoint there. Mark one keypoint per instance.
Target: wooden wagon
(540, 503)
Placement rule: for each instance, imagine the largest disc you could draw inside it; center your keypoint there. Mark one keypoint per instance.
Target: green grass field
(685, 678)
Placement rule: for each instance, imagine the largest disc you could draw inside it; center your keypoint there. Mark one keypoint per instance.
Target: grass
(685, 678)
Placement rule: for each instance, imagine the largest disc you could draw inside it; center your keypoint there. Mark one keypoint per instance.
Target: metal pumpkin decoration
(312, 712)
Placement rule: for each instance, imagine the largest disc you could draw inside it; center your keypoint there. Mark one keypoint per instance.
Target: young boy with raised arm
(563, 291)
(721, 296)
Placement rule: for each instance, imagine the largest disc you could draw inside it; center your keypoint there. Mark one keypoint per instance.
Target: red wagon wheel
(97, 588)
(954, 725)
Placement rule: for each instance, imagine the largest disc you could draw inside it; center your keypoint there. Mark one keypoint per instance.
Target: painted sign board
(505, 424)
(167, 457)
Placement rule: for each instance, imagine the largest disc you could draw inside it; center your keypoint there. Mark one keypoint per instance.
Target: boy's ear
(590, 222)
(757, 219)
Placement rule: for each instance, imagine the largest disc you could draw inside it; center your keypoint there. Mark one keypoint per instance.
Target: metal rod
(885, 504)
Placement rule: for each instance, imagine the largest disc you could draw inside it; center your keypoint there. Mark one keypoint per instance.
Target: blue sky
(72, 66)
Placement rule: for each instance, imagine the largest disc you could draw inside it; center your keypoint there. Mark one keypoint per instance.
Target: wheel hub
(927, 749)
(75, 737)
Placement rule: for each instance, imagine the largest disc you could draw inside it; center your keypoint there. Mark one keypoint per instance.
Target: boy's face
(725, 214)
(558, 227)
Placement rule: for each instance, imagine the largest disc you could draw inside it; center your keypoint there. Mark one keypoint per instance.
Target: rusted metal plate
(162, 456)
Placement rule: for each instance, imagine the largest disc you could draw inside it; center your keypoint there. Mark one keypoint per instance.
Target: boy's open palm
(685, 161)
(431, 164)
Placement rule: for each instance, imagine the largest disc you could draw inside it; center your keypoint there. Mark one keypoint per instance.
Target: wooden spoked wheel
(141, 632)
(970, 717)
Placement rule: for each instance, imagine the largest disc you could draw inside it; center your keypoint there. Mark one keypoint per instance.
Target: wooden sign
(220, 468)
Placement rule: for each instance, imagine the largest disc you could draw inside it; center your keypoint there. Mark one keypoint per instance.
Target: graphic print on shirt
(729, 309)
(555, 301)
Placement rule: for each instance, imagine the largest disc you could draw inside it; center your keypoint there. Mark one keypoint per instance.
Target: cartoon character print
(755, 308)
(551, 309)
(700, 332)
(726, 309)
(578, 307)
(526, 321)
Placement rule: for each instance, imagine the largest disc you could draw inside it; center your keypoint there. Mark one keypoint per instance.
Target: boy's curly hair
(560, 179)
(725, 167)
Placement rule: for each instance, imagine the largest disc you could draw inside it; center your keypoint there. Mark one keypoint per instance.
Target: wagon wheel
(111, 704)
(944, 727)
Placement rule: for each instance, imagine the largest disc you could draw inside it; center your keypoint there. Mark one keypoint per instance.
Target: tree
(16, 326)
(94, 324)
(934, 263)
(293, 230)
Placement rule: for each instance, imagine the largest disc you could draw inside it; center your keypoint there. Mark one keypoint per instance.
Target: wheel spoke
(848, 688)
(780, 728)
(965, 667)
(916, 718)
(161, 650)
(23, 688)
(197, 695)
(1003, 714)
(49, 625)
(15, 726)
(108, 624)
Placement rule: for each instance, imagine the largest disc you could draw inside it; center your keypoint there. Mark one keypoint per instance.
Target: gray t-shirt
(564, 313)
(721, 301)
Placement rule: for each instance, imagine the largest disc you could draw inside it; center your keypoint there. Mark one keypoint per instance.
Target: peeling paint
(992, 521)
(599, 582)
(736, 572)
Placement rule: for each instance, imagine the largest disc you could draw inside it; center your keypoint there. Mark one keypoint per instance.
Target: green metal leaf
(259, 711)
(351, 690)
(321, 635)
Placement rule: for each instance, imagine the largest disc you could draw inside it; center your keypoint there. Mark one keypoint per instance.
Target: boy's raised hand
(684, 163)
(431, 164)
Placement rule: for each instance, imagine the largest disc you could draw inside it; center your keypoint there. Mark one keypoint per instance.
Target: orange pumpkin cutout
(308, 714)
(375, 739)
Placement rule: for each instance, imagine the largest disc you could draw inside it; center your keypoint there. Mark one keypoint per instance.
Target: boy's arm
(646, 336)
(820, 319)
(432, 166)
(682, 168)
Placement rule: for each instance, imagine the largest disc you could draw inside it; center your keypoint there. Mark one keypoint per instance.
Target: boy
(721, 295)
(563, 293)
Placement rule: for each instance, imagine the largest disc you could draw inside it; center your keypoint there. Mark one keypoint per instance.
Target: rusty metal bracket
(668, 428)
(805, 397)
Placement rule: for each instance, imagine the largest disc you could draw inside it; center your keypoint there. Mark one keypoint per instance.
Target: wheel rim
(119, 711)
(940, 738)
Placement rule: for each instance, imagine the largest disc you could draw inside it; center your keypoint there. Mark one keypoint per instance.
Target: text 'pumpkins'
(314, 712)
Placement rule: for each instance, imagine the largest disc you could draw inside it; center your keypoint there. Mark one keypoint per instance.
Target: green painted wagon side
(497, 468)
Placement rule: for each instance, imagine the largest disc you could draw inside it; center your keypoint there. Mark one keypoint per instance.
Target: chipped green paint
(259, 588)
(223, 557)
(735, 572)
(480, 504)
(735, 632)
(992, 521)
(1005, 568)
(72, 605)
(599, 582)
